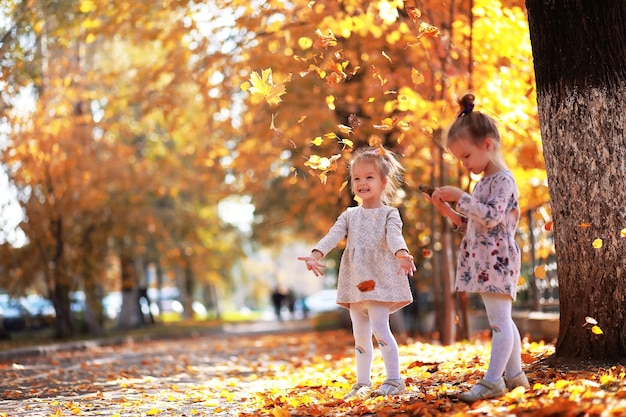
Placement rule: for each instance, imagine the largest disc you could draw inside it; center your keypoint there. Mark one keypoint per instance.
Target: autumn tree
(118, 155)
(580, 63)
(323, 78)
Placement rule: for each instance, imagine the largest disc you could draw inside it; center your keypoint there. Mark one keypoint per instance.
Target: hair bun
(466, 104)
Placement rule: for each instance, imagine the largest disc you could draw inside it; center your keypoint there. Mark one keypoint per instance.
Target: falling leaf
(368, 285)
(354, 121)
(540, 271)
(317, 141)
(417, 77)
(520, 281)
(375, 141)
(386, 56)
(273, 127)
(263, 85)
(548, 226)
(324, 41)
(596, 330)
(456, 319)
(590, 320)
(347, 142)
(597, 243)
(345, 129)
(428, 30)
(414, 13)
(385, 124)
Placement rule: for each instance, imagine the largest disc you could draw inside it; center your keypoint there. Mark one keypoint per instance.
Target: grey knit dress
(374, 236)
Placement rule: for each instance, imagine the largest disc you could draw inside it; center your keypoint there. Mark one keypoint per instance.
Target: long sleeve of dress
(337, 232)
(492, 211)
(395, 240)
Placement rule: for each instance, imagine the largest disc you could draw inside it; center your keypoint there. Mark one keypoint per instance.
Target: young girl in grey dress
(372, 281)
(489, 258)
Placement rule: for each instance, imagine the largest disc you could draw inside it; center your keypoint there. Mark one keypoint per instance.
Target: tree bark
(579, 51)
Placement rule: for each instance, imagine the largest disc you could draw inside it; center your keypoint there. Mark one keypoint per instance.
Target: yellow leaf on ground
(597, 244)
(280, 412)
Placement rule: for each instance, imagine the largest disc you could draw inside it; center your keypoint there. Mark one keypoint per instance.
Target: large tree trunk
(579, 49)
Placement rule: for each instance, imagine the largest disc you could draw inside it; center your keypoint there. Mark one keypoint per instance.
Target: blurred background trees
(126, 125)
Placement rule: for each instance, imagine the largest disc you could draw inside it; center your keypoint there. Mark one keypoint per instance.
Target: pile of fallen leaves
(299, 374)
(434, 375)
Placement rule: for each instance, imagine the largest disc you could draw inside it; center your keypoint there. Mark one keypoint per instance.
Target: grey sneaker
(483, 390)
(359, 390)
(518, 380)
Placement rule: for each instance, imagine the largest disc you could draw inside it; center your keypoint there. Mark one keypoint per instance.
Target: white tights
(506, 345)
(370, 317)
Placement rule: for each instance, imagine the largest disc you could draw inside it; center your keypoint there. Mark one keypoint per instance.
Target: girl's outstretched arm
(313, 262)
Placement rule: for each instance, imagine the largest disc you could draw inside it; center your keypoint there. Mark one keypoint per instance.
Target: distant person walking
(278, 296)
(372, 280)
(489, 259)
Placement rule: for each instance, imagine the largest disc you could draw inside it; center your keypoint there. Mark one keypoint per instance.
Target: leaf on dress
(368, 285)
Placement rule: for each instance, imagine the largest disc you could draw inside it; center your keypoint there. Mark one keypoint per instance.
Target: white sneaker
(519, 380)
(390, 387)
(359, 391)
(483, 390)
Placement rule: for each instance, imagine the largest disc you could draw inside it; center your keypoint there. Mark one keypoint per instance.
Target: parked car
(41, 310)
(323, 309)
(15, 316)
(321, 301)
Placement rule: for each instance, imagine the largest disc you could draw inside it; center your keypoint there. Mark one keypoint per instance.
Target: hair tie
(467, 109)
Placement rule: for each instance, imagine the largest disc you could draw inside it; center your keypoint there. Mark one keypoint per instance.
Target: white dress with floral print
(374, 236)
(489, 257)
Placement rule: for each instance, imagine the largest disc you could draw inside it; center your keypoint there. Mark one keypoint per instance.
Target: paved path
(259, 327)
(201, 375)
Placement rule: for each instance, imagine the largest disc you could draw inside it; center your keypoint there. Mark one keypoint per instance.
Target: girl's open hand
(407, 266)
(313, 264)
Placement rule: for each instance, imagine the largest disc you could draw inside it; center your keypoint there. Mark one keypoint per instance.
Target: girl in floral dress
(489, 258)
(372, 281)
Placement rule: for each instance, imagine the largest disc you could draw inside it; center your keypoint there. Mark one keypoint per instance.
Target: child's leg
(363, 342)
(514, 365)
(379, 320)
(498, 308)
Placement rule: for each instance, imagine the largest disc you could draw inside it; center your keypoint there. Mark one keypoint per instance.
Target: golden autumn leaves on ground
(293, 374)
